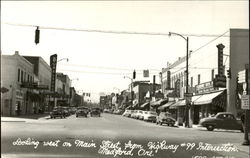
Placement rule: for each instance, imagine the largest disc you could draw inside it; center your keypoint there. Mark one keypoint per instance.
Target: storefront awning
(206, 98)
(178, 104)
(166, 105)
(159, 102)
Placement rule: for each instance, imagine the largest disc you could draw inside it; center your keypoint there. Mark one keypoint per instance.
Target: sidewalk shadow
(32, 116)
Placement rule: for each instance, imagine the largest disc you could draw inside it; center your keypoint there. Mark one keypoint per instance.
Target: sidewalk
(24, 118)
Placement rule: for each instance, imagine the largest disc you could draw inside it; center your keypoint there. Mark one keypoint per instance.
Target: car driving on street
(57, 112)
(82, 111)
(222, 120)
(95, 112)
(165, 118)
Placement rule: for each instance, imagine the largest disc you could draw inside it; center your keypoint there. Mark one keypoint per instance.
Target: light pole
(187, 112)
(131, 91)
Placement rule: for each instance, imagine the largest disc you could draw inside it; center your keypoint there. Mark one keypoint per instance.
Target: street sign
(245, 102)
(242, 76)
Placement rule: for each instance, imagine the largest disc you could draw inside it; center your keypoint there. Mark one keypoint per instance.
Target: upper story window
(212, 74)
(18, 75)
(22, 75)
(191, 80)
(199, 79)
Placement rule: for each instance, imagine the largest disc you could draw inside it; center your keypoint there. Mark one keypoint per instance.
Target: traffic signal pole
(246, 123)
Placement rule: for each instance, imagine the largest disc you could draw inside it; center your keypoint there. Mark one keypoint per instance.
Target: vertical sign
(53, 62)
(220, 59)
(177, 88)
(154, 85)
(168, 79)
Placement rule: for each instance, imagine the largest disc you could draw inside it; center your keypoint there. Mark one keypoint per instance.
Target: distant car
(66, 111)
(141, 115)
(222, 120)
(127, 113)
(165, 118)
(72, 110)
(133, 114)
(138, 114)
(107, 110)
(149, 116)
(117, 112)
(82, 112)
(95, 112)
(57, 112)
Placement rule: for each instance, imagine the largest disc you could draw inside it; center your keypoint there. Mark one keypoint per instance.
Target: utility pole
(187, 96)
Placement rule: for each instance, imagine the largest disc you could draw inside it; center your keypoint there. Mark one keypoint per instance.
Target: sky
(101, 60)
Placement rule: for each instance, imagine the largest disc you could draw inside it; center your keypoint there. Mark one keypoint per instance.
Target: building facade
(15, 71)
(204, 68)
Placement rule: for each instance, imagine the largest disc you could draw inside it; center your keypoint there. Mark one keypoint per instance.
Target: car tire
(161, 123)
(76, 115)
(210, 127)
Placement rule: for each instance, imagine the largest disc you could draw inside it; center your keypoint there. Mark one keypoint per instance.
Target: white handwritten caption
(108, 147)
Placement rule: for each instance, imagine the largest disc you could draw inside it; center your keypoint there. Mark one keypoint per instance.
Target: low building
(16, 71)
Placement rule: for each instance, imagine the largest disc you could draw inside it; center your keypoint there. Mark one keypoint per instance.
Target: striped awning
(178, 104)
(166, 105)
(206, 98)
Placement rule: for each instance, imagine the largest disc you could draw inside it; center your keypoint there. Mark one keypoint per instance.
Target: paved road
(115, 136)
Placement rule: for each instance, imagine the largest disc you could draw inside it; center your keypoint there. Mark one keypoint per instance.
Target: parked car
(107, 110)
(165, 118)
(57, 112)
(222, 120)
(149, 116)
(127, 113)
(117, 112)
(72, 110)
(66, 112)
(83, 111)
(141, 115)
(138, 114)
(133, 115)
(95, 112)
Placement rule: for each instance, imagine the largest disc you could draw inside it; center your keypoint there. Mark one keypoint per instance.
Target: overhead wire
(116, 32)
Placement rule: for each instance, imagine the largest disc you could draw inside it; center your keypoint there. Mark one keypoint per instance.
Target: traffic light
(37, 35)
(134, 74)
(229, 73)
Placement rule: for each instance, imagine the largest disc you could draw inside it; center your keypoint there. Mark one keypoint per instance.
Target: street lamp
(132, 97)
(67, 59)
(187, 100)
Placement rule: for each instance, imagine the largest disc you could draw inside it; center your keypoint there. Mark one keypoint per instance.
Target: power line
(117, 32)
(209, 42)
(110, 68)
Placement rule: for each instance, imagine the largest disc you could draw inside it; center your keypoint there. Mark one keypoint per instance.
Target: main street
(114, 136)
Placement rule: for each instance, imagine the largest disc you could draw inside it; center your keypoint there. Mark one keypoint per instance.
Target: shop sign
(19, 94)
(205, 87)
(53, 62)
(220, 81)
(242, 76)
(245, 102)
